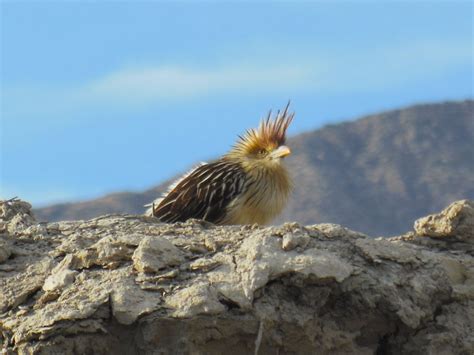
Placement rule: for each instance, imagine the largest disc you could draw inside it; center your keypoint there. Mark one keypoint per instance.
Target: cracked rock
(155, 253)
(122, 284)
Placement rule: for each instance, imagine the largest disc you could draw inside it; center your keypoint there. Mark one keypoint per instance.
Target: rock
(291, 241)
(126, 284)
(61, 276)
(455, 222)
(198, 299)
(15, 215)
(18, 286)
(155, 253)
(129, 302)
(5, 250)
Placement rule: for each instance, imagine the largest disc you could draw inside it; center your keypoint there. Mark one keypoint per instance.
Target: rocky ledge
(123, 284)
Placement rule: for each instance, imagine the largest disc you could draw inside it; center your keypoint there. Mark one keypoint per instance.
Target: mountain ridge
(356, 173)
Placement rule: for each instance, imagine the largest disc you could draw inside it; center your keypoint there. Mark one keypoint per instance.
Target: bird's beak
(281, 152)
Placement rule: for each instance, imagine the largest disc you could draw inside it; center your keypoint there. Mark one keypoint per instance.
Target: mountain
(375, 175)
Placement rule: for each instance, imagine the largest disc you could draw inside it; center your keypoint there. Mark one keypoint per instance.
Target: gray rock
(456, 221)
(15, 215)
(129, 284)
(155, 253)
(61, 276)
(197, 299)
(5, 249)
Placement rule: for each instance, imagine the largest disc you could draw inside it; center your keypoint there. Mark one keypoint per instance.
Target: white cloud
(369, 69)
(168, 82)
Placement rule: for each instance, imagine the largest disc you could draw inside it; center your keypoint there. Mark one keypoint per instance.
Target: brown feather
(270, 134)
(204, 193)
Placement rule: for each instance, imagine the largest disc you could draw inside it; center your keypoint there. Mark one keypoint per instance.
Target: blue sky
(99, 97)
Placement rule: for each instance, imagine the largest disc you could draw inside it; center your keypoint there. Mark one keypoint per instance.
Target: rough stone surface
(5, 250)
(456, 221)
(15, 215)
(155, 253)
(122, 284)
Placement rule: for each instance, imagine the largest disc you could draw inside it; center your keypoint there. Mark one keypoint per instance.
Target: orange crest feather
(270, 134)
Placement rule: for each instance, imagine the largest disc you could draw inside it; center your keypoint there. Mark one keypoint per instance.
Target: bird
(248, 185)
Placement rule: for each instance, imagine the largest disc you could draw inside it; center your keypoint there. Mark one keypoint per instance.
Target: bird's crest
(270, 134)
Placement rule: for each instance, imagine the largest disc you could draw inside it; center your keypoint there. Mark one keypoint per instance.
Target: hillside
(375, 175)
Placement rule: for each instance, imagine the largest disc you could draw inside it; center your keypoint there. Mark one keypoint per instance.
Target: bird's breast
(265, 196)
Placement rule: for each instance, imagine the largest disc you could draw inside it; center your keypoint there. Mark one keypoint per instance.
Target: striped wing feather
(203, 194)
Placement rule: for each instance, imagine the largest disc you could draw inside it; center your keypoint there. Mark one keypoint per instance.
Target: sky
(98, 97)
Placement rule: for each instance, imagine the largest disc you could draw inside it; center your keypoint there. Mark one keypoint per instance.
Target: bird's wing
(170, 188)
(204, 193)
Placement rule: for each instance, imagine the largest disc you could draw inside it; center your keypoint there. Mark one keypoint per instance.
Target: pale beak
(281, 152)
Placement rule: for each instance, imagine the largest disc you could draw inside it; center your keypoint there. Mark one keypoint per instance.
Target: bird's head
(265, 144)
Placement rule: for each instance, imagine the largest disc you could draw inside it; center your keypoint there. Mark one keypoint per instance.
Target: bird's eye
(262, 151)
